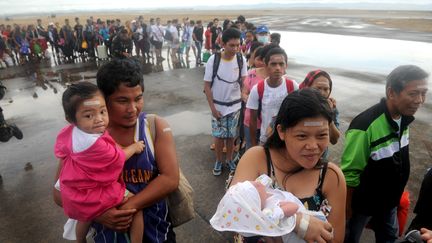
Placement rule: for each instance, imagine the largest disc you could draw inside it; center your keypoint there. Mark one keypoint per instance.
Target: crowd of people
(97, 38)
(293, 125)
(263, 123)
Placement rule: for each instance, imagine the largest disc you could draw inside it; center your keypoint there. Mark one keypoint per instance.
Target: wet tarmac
(346, 24)
(33, 102)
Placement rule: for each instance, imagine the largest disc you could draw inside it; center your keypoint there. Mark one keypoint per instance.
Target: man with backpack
(223, 77)
(267, 95)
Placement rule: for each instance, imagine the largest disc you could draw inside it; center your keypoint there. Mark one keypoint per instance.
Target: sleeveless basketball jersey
(138, 171)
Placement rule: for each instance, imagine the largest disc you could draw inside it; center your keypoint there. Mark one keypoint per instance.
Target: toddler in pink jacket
(92, 162)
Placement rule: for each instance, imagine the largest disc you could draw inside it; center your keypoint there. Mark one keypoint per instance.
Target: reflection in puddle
(190, 123)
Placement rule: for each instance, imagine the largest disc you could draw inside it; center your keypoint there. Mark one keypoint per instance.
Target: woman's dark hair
(119, 71)
(274, 51)
(250, 26)
(230, 34)
(74, 95)
(258, 51)
(226, 23)
(298, 105)
(253, 47)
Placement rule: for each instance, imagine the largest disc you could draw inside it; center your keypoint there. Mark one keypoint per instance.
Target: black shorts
(157, 44)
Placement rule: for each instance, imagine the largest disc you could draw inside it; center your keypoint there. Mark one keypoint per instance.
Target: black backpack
(168, 36)
(216, 63)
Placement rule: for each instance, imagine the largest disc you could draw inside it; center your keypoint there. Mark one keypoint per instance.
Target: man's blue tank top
(138, 171)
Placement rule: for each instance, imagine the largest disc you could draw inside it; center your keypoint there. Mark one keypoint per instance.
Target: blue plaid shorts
(226, 126)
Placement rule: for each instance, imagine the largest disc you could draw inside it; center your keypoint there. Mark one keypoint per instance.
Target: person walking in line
(198, 32)
(267, 95)
(224, 75)
(377, 144)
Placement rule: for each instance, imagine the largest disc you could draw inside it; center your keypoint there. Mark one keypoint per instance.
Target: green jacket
(375, 160)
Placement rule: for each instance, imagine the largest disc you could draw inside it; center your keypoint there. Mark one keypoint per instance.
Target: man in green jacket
(375, 160)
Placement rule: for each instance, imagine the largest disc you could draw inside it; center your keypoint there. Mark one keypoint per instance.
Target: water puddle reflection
(190, 123)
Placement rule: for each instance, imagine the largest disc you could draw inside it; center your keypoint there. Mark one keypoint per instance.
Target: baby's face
(92, 115)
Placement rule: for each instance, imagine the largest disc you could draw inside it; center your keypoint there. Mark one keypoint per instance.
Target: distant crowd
(103, 39)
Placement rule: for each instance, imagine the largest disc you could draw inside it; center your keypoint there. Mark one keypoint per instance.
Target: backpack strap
(239, 57)
(289, 85)
(260, 89)
(231, 103)
(216, 62)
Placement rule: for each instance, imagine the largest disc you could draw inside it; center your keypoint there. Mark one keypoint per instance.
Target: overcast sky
(32, 6)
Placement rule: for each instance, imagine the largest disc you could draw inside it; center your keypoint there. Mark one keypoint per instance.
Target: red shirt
(208, 38)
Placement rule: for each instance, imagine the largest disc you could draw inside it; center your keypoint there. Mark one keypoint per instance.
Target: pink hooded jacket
(90, 181)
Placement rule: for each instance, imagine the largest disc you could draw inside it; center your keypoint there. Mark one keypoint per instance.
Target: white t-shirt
(157, 32)
(398, 122)
(271, 102)
(187, 34)
(140, 31)
(222, 91)
(174, 32)
(82, 140)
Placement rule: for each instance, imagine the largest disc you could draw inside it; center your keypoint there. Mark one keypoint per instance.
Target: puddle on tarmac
(189, 123)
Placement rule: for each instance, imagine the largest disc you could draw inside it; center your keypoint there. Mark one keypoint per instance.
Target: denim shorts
(226, 126)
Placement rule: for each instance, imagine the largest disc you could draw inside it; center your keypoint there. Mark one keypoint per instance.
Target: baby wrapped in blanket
(253, 208)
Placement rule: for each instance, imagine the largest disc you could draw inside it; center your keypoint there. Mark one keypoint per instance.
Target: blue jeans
(385, 225)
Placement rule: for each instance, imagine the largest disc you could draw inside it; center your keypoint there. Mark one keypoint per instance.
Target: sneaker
(217, 170)
(16, 131)
(232, 166)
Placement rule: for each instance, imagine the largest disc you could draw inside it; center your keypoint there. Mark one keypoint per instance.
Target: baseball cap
(262, 29)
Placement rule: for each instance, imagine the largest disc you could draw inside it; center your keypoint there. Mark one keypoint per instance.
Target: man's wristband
(304, 225)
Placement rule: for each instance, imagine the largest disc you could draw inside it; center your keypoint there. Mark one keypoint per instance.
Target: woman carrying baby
(292, 158)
